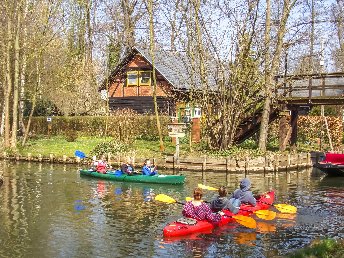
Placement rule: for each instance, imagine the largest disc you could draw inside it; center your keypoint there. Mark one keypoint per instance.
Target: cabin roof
(173, 66)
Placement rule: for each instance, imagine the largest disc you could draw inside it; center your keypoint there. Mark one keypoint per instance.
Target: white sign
(176, 127)
(104, 94)
(174, 134)
(49, 119)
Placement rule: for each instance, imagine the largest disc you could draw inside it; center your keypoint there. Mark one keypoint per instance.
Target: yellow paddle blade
(286, 208)
(207, 187)
(164, 198)
(265, 214)
(245, 221)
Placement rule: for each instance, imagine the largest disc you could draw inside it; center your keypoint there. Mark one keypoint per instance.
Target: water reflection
(48, 210)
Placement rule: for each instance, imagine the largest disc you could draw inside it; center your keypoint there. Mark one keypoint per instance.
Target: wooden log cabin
(130, 83)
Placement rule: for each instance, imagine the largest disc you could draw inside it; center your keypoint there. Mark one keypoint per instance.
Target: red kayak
(176, 228)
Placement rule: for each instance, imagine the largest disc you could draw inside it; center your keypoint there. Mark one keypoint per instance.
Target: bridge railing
(310, 86)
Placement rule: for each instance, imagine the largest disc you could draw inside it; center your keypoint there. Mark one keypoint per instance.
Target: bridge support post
(283, 130)
(293, 124)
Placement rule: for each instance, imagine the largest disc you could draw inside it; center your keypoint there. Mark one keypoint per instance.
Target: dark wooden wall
(144, 104)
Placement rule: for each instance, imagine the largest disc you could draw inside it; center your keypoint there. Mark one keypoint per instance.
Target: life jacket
(101, 167)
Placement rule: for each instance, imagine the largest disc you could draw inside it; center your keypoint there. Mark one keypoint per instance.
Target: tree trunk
(34, 99)
(23, 71)
(16, 81)
(152, 50)
(8, 89)
(266, 110)
(272, 70)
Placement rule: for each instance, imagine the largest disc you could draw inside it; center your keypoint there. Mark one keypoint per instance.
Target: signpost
(176, 131)
(49, 120)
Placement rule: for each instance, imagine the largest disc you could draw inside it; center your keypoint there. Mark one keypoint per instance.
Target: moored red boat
(176, 228)
(332, 165)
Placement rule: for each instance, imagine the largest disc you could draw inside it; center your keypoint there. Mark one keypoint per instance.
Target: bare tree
(154, 84)
(275, 47)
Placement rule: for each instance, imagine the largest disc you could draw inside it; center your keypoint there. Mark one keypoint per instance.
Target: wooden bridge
(297, 93)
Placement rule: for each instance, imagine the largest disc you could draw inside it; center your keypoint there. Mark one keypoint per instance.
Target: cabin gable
(131, 87)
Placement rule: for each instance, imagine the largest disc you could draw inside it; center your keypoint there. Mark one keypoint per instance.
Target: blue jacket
(147, 171)
(243, 194)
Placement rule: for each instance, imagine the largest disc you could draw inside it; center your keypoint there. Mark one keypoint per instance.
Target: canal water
(50, 211)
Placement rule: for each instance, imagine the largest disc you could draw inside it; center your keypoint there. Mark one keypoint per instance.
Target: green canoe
(157, 179)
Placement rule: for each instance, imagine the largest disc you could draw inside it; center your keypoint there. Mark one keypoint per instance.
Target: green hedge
(121, 127)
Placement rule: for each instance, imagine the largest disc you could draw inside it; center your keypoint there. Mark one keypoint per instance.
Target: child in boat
(148, 169)
(223, 203)
(128, 168)
(244, 194)
(102, 165)
(199, 210)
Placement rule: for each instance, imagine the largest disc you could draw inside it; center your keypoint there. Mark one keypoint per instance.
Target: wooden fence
(269, 163)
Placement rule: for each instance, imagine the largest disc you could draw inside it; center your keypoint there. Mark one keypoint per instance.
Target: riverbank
(243, 158)
(321, 248)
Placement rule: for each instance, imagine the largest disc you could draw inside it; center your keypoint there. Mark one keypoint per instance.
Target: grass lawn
(58, 146)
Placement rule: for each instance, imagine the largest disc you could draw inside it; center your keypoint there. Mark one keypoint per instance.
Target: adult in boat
(102, 165)
(128, 168)
(94, 164)
(244, 194)
(199, 210)
(148, 169)
(223, 203)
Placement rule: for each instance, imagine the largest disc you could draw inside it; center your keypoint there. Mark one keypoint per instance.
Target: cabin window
(145, 78)
(132, 78)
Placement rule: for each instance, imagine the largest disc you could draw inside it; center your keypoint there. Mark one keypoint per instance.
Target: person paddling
(244, 194)
(148, 169)
(199, 210)
(223, 203)
(128, 167)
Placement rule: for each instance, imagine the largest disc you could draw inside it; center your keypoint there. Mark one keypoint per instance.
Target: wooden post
(288, 162)
(293, 123)
(226, 166)
(265, 161)
(204, 166)
(246, 165)
(39, 157)
(173, 165)
(5, 154)
(309, 160)
(298, 161)
(276, 163)
(29, 156)
(118, 160)
(51, 157)
(64, 158)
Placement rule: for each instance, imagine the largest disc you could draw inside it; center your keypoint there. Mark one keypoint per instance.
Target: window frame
(150, 78)
(137, 78)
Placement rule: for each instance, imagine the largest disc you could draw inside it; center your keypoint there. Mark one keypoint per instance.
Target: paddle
(79, 154)
(207, 187)
(284, 208)
(262, 214)
(243, 220)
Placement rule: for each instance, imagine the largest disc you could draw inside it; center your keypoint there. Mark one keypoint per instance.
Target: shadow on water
(50, 211)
